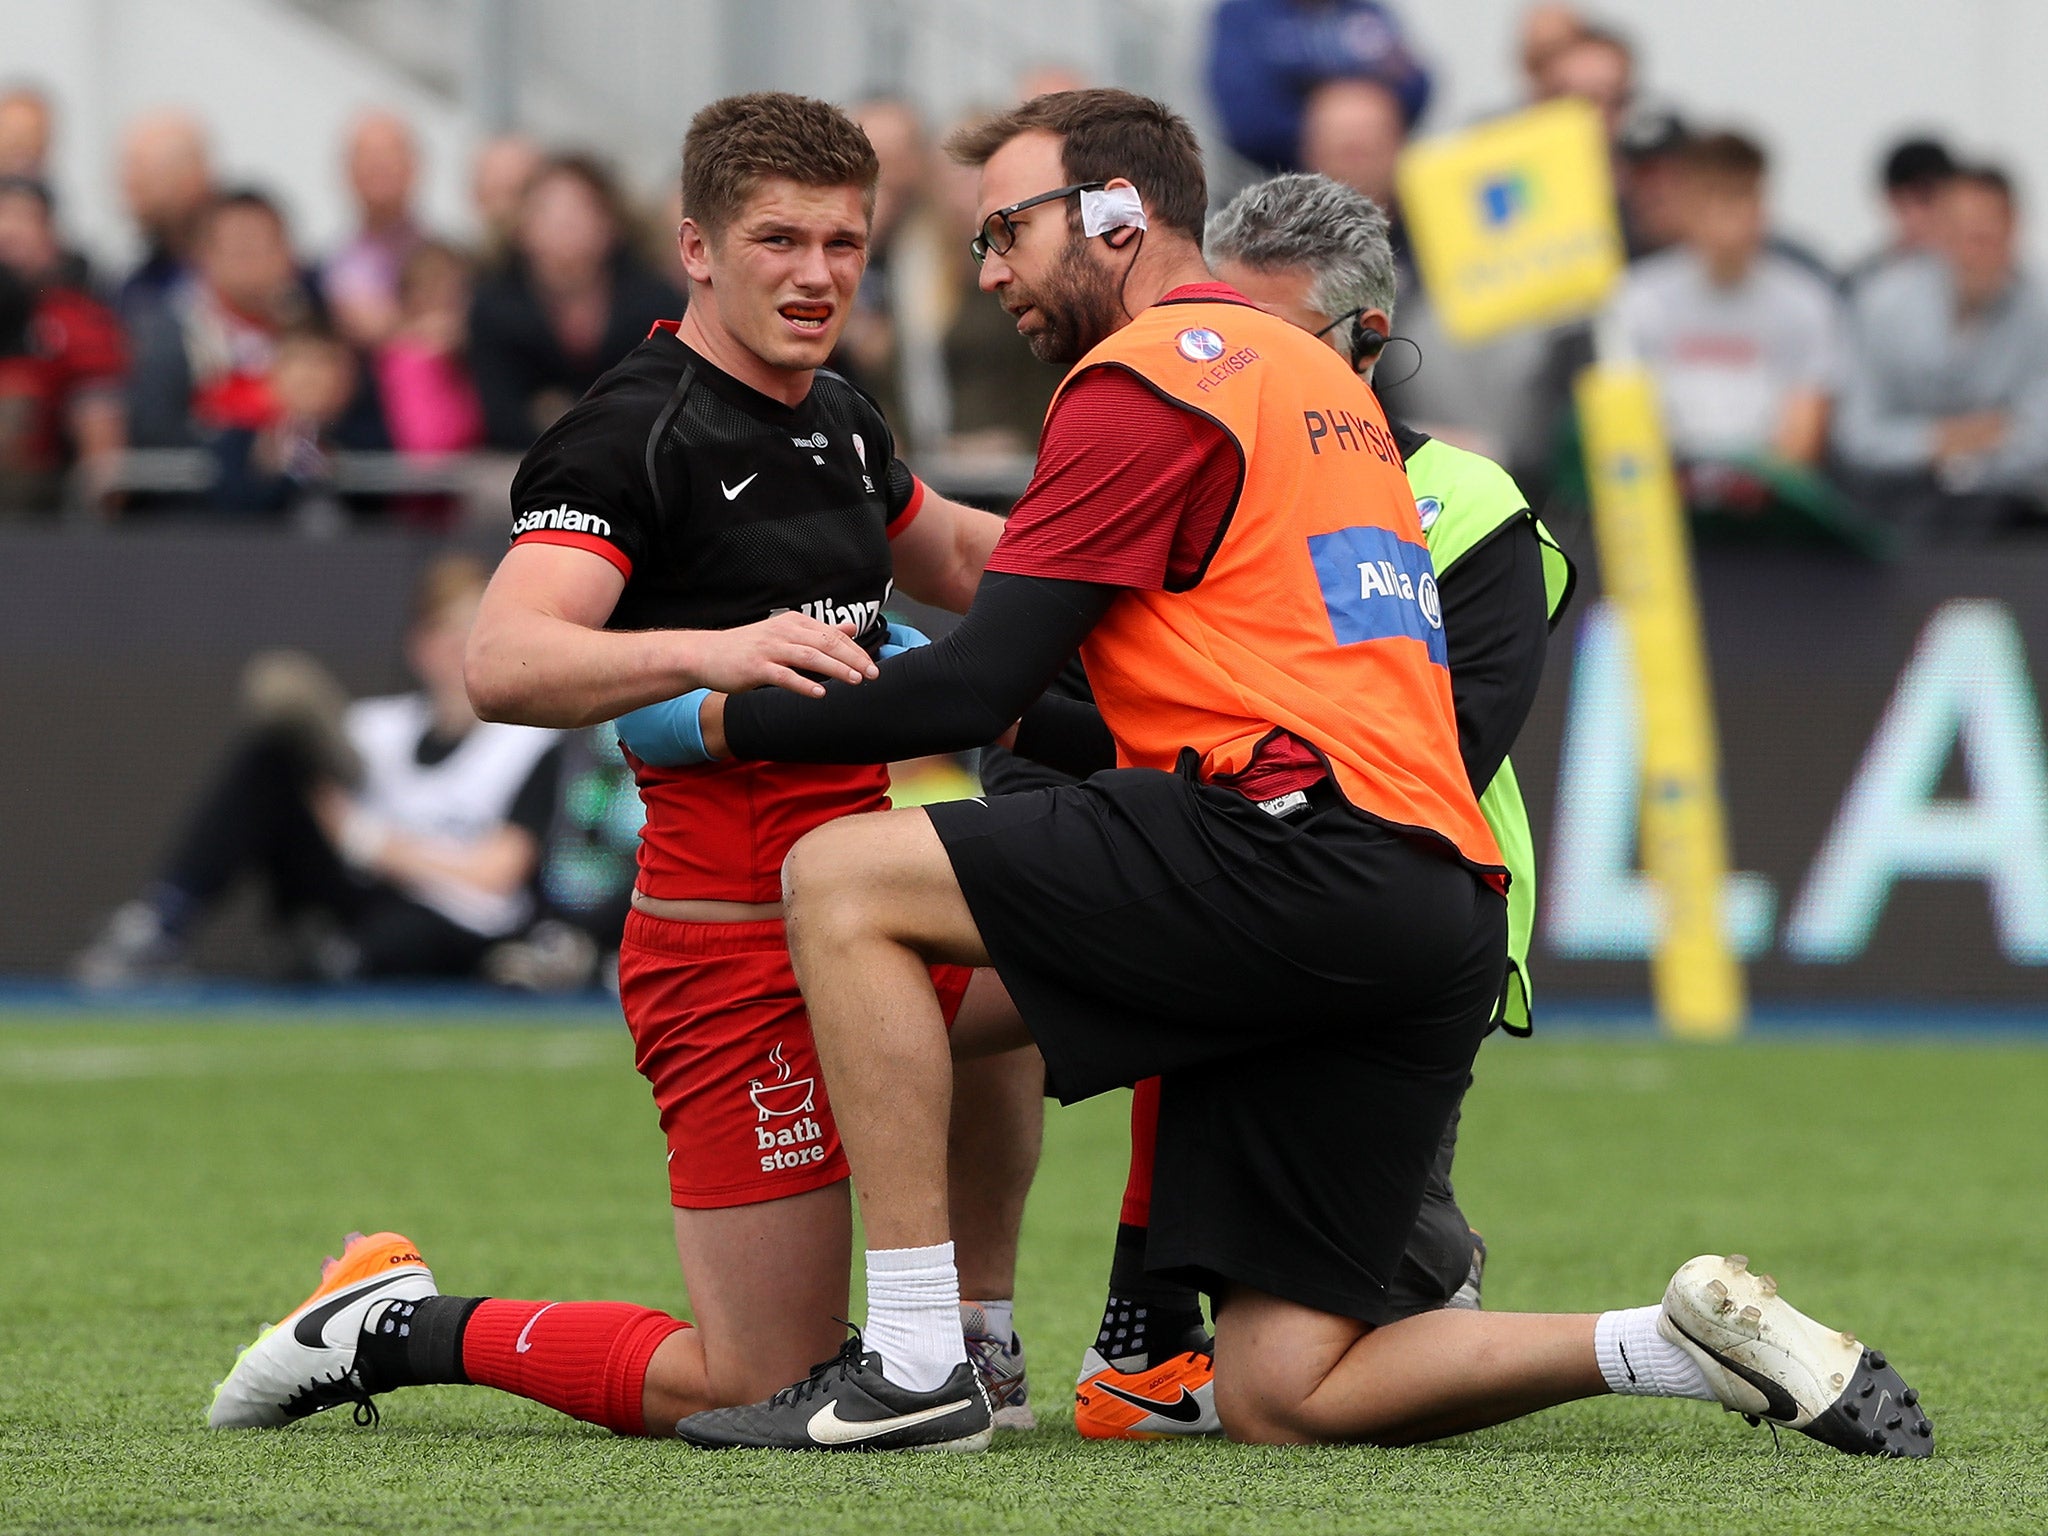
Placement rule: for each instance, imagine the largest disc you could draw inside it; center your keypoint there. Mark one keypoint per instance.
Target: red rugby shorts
(720, 1034)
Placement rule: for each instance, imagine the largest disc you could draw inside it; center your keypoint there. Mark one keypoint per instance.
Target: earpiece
(1366, 344)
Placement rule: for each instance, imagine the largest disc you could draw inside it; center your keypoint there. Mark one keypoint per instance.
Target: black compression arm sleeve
(1067, 735)
(954, 694)
(1496, 627)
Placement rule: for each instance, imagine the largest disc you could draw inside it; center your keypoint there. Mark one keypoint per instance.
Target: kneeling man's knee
(821, 867)
(1257, 1412)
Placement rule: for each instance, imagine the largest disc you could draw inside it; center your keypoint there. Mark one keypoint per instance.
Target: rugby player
(1287, 905)
(721, 510)
(1317, 253)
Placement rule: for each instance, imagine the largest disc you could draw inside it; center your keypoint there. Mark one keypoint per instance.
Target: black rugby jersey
(719, 504)
(721, 507)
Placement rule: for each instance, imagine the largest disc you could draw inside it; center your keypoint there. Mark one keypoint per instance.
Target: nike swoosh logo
(1186, 1409)
(1624, 1357)
(1781, 1404)
(827, 1428)
(520, 1346)
(311, 1330)
(734, 490)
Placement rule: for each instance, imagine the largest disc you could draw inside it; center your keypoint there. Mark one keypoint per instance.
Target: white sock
(914, 1315)
(1638, 1361)
(999, 1317)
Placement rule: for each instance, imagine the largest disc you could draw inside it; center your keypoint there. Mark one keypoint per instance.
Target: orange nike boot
(307, 1363)
(1176, 1396)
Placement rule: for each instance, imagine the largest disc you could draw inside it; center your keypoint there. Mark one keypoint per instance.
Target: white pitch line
(305, 1053)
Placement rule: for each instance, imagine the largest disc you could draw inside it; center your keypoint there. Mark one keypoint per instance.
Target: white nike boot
(1767, 1360)
(307, 1363)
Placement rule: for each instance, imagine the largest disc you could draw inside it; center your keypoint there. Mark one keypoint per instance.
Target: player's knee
(1252, 1412)
(821, 868)
(826, 895)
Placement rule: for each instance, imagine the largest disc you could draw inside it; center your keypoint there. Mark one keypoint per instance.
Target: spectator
(1596, 66)
(572, 301)
(1651, 180)
(1502, 397)
(1267, 56)
(1946, 411)
(203, 358)
(893, 346)
(1915, 172)
(430, 401)
(587, 868)
(167, 183)
(660, 245)
(1546, 31)
(394, 836)
(286, 464)
(361, 279)
(502, 171)
(1599, 67)
(68, 378)
(1352, 131)
(1744, 342)
(997, 392)
(20, 395)
(25, 127)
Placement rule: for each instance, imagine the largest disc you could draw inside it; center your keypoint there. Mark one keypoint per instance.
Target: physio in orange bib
(1273, 888)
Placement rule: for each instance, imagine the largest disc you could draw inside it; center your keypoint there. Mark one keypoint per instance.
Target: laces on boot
(838, 1368)
(331, 1392)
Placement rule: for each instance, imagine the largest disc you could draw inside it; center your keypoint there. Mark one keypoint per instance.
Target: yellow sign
(1646, 567)
(1513, 222)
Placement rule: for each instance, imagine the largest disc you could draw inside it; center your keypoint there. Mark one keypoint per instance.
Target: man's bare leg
(871, 901)
(992, 1148)
(1286, 1374)
(767, 1284)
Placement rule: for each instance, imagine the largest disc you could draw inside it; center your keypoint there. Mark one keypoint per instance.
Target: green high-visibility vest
(1465, 499)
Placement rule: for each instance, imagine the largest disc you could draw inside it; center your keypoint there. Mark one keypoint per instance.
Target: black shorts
(1311, 989)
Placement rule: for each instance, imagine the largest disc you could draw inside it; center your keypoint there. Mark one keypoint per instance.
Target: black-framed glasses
(998, 234)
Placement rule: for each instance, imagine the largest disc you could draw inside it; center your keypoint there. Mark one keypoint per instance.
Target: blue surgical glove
(901, 638)
(667, 734)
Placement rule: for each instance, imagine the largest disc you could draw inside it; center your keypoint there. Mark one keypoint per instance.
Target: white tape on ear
(1114, 208)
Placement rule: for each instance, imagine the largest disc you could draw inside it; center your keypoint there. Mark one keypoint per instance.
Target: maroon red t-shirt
(1131, 490)
(75, 347)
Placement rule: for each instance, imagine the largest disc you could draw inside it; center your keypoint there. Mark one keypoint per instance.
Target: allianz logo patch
(561, 519)
(863, 615)
(1378, 586)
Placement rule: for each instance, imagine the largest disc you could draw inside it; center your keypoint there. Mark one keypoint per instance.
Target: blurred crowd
(1903, 398)
(228, 339)
(1900, 400)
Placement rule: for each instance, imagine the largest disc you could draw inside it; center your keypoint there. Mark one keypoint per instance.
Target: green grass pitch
(165, 1188)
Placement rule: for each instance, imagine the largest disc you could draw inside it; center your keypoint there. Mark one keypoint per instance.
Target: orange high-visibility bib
(1317, 611)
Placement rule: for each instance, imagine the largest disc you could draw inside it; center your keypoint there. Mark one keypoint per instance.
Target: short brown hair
(1731, 156)
(1106, 133)
(738, 142)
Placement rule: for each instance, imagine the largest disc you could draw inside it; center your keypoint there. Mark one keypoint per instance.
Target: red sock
(1144, 1139)
(587, 1359)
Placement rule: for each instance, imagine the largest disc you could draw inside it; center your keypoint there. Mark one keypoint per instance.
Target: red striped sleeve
(595, 545)
(911, 508)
